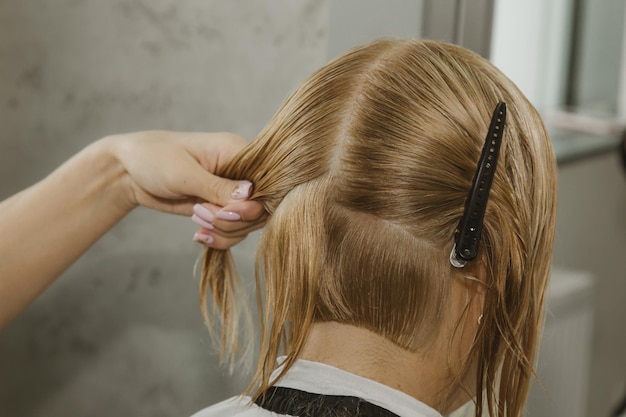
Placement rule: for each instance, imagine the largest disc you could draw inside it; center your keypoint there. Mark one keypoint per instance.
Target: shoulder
(235, 407)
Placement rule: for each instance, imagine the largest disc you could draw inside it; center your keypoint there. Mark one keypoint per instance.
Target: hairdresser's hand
(172, 172)
(47, 226)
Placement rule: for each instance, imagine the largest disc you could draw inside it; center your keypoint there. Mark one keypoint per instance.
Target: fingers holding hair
(222, 227)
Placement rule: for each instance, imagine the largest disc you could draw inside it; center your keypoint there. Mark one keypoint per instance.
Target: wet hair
(364, 171)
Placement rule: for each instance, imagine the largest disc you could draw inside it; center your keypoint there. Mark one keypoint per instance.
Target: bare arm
(46, 227)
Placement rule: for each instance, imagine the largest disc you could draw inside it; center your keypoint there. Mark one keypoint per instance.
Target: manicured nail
(203, 238)
(228, 215)
(203, 212)
(241, 190)
(201, 222)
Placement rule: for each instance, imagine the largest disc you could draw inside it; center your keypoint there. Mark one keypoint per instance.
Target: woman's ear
(475, 271)
(473, 277)
(478, 270)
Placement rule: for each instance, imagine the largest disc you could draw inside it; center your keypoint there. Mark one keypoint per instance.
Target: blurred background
(120, 333)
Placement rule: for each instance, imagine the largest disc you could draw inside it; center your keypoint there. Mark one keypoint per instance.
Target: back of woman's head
(364, 171)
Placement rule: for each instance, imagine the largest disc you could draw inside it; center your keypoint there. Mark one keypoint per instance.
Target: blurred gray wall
(599, 52)
(374, 19)
(591, 236)
(120, 333)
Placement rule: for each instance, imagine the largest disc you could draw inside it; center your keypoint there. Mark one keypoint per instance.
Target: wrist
(108, 154)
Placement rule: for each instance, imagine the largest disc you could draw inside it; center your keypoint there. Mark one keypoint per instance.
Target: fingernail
(241, 190)
(201, 222)
(203, 212)
(228, 215)
(202, 238)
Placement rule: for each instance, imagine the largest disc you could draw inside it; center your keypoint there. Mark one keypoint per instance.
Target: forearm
(46, 227)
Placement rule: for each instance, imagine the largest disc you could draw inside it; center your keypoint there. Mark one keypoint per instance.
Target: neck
(423, 374)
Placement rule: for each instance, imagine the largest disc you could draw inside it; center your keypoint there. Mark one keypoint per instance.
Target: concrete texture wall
(120, 333)
(374, 19)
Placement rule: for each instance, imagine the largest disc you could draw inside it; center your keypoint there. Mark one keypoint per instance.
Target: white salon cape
(318, 378)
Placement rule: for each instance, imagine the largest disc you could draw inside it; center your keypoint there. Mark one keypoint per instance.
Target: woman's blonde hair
(364, 171)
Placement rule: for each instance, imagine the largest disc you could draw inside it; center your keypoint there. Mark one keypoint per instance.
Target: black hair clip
(467, 234)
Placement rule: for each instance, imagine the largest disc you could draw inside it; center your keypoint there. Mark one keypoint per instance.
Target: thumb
(220, 191)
